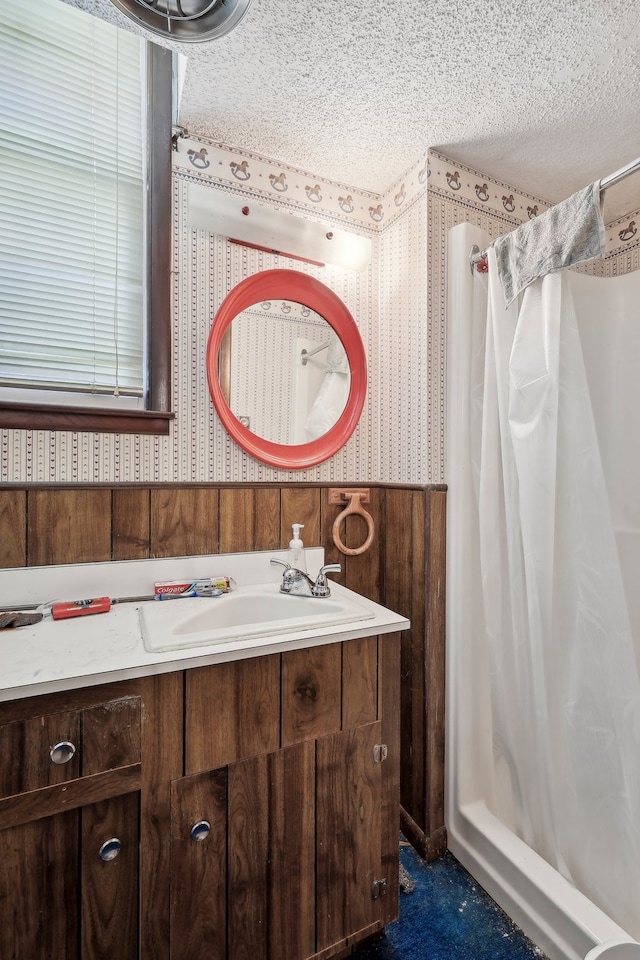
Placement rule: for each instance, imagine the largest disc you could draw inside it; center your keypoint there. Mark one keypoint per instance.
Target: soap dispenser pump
(296, 549)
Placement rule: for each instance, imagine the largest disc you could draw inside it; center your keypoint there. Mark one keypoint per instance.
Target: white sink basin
(253, 611)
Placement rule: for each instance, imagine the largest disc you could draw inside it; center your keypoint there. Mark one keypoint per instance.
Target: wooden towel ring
(354, 506)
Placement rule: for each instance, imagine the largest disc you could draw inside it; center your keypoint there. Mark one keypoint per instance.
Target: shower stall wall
(536, 631)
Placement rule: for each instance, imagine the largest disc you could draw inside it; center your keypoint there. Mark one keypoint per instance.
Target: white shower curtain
(564, 681)
(333, 393)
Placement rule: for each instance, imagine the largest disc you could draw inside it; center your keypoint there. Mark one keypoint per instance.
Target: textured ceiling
(543, 95)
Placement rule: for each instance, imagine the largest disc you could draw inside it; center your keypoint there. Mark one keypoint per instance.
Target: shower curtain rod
(478, 258)
(620, 174)
(305, 354)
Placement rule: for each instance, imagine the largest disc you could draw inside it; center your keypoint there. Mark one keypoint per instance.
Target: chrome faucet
(297, 584)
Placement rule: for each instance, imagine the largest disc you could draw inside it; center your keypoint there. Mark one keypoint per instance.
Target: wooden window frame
(157, 417)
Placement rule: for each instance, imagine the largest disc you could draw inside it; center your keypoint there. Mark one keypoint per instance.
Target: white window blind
(72, 194)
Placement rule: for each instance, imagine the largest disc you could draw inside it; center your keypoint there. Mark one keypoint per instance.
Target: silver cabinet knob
(62, 752)
(200, 830)
(110, 849)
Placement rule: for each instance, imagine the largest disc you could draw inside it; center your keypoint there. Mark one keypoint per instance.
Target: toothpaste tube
(206, 587)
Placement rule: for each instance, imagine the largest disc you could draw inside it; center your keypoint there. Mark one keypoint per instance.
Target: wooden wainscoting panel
(131, 529)
(300, 505)
(398, 579)
(328, 513)
(434, 660)
(249, 519)
(414, 659)
(365, 572)
(237, 520)
(13, 524)
(69, 526)
(267, 530)
(184, 521)
(398, 596)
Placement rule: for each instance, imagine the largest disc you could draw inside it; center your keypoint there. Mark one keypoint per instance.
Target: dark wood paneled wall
(403, 569)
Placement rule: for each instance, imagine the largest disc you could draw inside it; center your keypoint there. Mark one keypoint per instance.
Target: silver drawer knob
(110, 849)
(200, 830)
(62, 752)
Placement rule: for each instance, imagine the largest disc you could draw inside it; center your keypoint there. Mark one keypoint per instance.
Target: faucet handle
(294, 582)
(321, 587)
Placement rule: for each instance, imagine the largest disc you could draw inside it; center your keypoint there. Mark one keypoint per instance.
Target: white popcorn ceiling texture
(542, 94)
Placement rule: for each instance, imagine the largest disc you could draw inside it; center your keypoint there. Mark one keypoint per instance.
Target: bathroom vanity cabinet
(252, 806)
(117, 749)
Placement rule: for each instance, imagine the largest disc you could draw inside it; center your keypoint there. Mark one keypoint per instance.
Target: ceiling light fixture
(185, 20)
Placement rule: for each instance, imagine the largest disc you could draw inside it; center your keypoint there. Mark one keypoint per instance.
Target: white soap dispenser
(295, 557)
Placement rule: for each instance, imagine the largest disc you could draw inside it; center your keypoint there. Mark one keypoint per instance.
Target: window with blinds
(72, 206)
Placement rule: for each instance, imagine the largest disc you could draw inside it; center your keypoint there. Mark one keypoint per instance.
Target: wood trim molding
(429, 848)
(159, 227)
(49, 801)
(33, 416)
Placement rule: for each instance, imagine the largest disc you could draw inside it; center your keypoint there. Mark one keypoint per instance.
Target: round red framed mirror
(289, 285)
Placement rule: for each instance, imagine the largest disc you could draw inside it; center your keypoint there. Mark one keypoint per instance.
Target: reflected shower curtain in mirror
(558, 486)
(333, 393)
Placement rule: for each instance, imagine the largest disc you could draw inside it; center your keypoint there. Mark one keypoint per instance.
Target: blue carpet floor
(448, 916)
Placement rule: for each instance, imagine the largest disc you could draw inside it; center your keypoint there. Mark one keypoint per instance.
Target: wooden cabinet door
(58, 899)
(292, 838)
(39, 905)
(348, 834)
(247, 890)
(109, 904)
(219, 863)
(199, 866)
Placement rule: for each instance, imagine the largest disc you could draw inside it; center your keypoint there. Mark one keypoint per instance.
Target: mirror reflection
(284, 372)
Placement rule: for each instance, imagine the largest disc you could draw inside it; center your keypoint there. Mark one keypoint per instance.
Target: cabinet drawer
(58, 747)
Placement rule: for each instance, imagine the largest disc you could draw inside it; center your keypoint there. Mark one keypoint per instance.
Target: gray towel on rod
(566, 234)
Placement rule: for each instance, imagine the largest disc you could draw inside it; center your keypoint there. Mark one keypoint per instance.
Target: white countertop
(102, 648)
